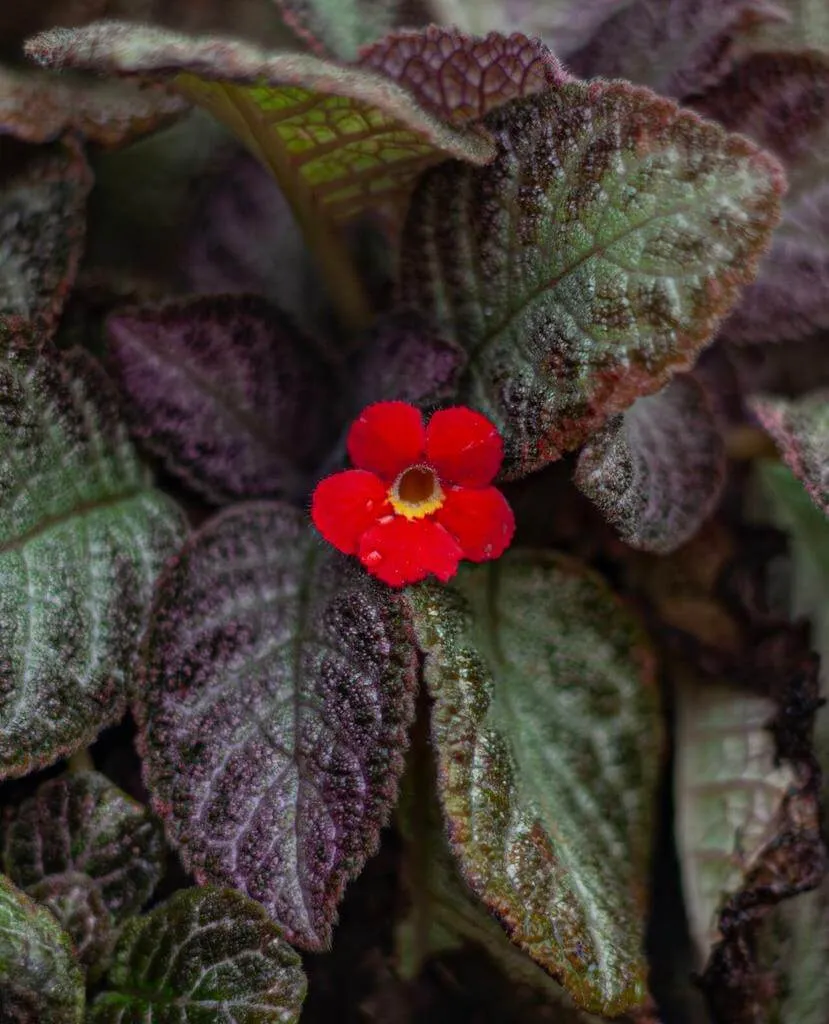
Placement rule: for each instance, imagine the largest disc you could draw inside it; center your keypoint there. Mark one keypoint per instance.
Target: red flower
(420, 498)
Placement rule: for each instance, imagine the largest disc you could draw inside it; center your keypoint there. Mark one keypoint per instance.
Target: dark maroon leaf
(278, 691)
(226, 390)
(800, 428)
(406, 359)
(460, 78)
(42, 227)
(657, 470)
(88, 852)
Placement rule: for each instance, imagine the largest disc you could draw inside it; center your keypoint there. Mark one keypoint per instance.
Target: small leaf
(800, 428)
(42, 228)
(782, 102)
(801, 25)
(547, 732)
(351, 137)
(82, 537)
(657, 471)
(39, 979)
(678, 48)
(205, 955)
(461, 78)
(87, 851)
(39, 107)
(278, 694)
(405, 360)
(227, 391)
(590, 261)
(342, 27)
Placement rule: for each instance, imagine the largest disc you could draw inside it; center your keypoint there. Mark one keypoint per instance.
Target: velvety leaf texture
(39, 979)
(800, 428)
(350, 137)
(657, 470)
(278, 691)
(86, 850)
(461, 78)
(205, 955)
(82, 537)
(590, 261)
(42, 228)
(406, 360)
(782, 102)
(39, 107)
(226, 390)
(675, 47)
(547, 732)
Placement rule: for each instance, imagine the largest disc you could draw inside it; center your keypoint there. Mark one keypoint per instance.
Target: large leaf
(781, 100)
(42, 227)
(590, 261)
(227, 391)
(204, 956)
(547, 731)
(39, 979)
(82, 537)
(278, 691)
(657, 470)
(87, 851)
(40, 107)
(800, 428)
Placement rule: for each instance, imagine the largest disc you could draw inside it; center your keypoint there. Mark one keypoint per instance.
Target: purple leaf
(88, 852)
(657, 471)
(781, 100)
(461, 78)
(39, 107)
(279, 687)
(42, 228)
(405, 359)
(226, 390)
(800, 428)
(676, 47)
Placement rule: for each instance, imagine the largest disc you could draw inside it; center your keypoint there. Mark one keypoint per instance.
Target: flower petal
(480, 520)
(387, 438)
(464, 447)
(400, 551)
(346, 504)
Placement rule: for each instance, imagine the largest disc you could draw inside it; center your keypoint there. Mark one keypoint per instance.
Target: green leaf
(87, 851)
(800, 428)
(43, 213)
(548, 735)
(206, 955)
(82, 538)
(278, 690)
(341, 27)
(800, 25)
(590, 261)
(39, 979)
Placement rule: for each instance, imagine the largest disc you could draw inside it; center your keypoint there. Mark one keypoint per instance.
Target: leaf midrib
(77, 512)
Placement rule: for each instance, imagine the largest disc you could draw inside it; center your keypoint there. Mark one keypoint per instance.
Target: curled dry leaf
(274, 711)
(82, 537)
(590, 261)
(657, 470)
(547, 731)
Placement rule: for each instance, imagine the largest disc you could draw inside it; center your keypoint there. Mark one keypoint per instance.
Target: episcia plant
(388, 437)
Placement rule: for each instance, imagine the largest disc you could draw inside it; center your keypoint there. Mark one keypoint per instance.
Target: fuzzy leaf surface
(39, 107)
(82, 538)
(461, 78)
(42, 229)
(205, 955)
(781, 100)
(278, 692)
(345, 137)
(39, 978)
(88, 851)
(547, 733)
(800, 428)
(590, 261)
(657, 470)
(226, 390)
